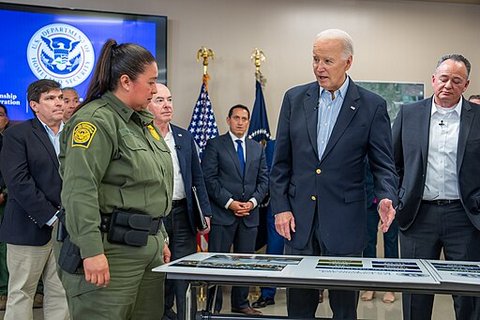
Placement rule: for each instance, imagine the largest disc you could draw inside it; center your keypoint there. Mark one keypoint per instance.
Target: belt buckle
(444, 202)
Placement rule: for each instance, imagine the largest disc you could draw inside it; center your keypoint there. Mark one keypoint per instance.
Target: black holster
(129, 228)
(69, 259)
(61, 229)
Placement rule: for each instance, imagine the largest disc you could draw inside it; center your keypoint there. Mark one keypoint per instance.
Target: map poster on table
(371, 269)
(247, 262)
(456, 271)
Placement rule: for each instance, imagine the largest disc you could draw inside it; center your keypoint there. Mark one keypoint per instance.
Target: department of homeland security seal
(61, 52)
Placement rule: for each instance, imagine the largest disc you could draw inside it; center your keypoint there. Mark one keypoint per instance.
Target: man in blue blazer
(29, 166)
(181, 224)
(437, 153)
(325, 131)
(236, 177)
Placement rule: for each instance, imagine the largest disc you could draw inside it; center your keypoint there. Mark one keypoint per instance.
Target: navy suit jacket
(335, 185)
(411, 132)
(224, 181)
(191, 173)
(29, 166)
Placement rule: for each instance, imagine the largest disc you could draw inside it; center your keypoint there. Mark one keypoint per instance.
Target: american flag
(259, 129)
(203, 125)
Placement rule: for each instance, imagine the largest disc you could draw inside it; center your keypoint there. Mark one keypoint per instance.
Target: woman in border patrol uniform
(117, 185)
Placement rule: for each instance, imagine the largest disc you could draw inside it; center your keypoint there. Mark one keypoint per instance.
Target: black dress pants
(182, 243)
(303, 303)
(438, 227)
(221, 238)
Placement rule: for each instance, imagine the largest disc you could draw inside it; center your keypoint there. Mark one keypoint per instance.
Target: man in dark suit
(29, 166)
(325, 131)
(437, 152)
(236, 177)
(181, 224)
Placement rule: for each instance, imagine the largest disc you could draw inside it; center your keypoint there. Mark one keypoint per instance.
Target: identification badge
(153, 132)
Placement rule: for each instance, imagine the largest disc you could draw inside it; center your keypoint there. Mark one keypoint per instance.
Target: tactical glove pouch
(131, 229)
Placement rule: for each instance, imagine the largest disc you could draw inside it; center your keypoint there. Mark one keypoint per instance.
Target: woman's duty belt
(129, 228)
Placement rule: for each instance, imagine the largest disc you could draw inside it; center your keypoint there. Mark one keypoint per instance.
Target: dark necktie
(240, 155)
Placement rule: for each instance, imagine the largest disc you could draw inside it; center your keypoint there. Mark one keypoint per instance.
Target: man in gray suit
(236, 177)
(437, 152)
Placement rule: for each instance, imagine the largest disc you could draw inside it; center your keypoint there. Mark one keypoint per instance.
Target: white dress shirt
(178, 186)
(54, 137)
(234, 138)
(441, 177)
(55, 140)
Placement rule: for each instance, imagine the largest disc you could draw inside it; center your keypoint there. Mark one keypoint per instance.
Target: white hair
(337, 34)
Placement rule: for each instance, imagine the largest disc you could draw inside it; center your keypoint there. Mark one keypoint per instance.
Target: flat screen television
(63, 45)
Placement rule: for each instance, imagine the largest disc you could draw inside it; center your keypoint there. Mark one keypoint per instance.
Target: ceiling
(450, 1)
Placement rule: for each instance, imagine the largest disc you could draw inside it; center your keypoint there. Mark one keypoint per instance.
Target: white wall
(394, 40)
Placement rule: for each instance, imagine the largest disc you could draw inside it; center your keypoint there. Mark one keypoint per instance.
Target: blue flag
(203, 125)
(259, 129)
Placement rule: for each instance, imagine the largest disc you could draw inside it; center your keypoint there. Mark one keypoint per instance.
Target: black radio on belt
(129, 228)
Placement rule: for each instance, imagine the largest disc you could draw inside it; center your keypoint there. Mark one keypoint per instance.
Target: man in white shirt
(181, 223)
(437, 152)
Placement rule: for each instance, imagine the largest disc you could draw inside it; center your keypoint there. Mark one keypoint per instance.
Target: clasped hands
(241, 209)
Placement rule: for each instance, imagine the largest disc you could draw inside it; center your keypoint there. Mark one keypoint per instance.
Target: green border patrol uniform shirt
(111, 157)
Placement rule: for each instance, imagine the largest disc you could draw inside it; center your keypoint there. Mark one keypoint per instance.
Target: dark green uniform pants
(134, 292)
(3, 262)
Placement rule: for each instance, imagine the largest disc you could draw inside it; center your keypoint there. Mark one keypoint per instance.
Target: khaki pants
(134, 292)
(26, 265)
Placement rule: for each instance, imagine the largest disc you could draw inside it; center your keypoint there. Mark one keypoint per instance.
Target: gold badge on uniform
(153, 132)
(83, 134)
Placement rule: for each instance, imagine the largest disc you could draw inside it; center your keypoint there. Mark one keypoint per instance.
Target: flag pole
(258, 57)
(203, 129)
(203, 125)
(205, 53)
(259, 129)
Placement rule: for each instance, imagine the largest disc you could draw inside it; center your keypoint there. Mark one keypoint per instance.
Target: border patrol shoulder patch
(83, 134)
